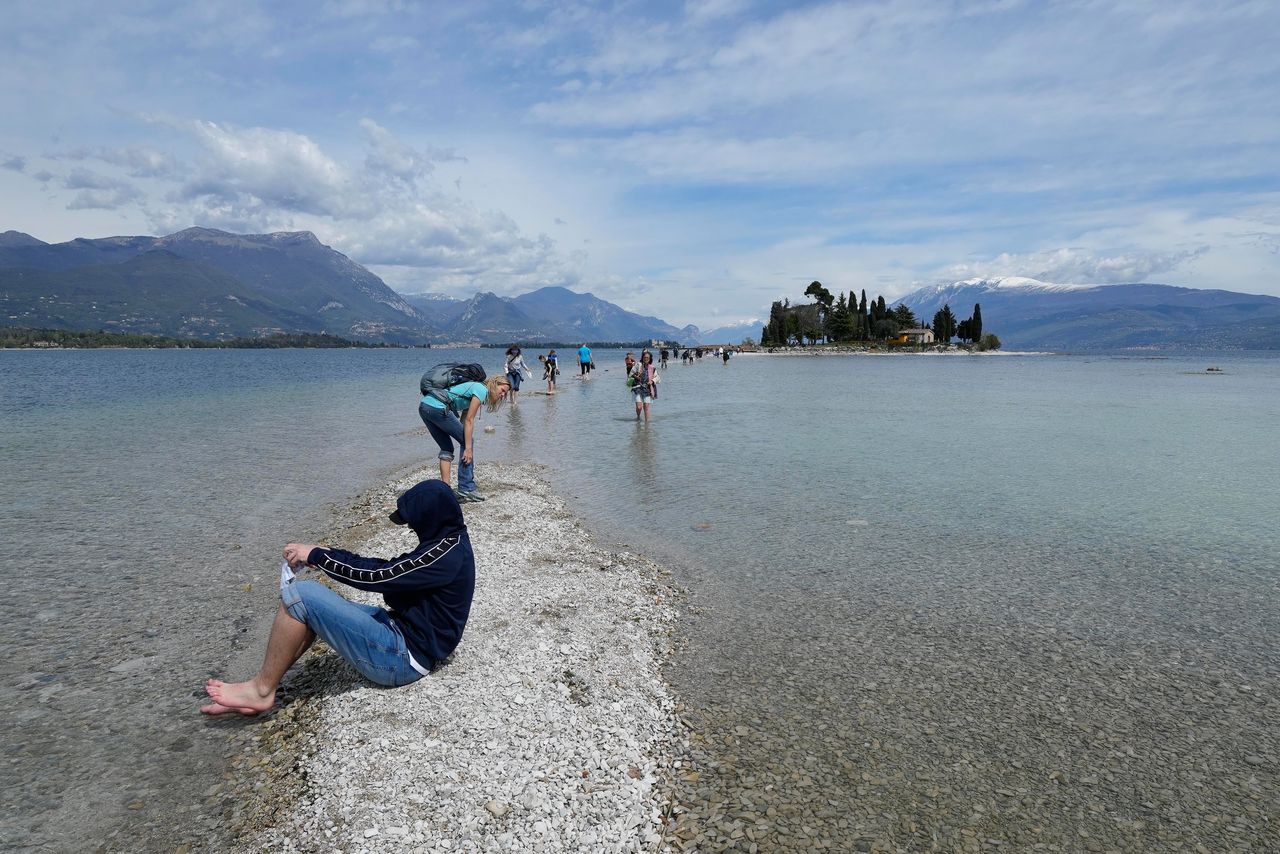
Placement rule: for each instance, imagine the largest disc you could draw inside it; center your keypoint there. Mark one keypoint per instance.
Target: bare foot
(219, 709)
(244, 697)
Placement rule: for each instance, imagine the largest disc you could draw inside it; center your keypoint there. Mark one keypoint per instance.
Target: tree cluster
(832, 318)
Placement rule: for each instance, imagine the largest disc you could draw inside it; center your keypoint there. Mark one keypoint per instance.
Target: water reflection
(516, 427)
(644, 461)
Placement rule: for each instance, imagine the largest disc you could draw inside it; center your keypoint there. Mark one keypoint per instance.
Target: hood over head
(431, 509)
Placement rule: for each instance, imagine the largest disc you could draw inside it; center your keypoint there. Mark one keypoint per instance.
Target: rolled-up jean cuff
(443, 456)
(292, 601)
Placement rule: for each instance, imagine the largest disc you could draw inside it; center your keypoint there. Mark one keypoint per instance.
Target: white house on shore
(923, 335)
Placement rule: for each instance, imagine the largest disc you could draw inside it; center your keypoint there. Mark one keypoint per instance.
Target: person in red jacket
(427, 592)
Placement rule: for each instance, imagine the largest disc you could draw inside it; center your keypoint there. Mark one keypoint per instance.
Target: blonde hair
(491, 400)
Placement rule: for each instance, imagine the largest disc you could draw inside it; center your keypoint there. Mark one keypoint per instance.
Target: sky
(693, 161)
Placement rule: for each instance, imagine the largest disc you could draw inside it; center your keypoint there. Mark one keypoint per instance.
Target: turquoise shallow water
(1127, 504)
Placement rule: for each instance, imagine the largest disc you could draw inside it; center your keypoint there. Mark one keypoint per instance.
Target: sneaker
(468, 496)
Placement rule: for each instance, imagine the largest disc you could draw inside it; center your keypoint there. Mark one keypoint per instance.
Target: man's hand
(295, 554)
(467, 456)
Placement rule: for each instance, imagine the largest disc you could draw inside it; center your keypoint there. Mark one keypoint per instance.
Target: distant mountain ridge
(734, 333)
(215, 285)
(551, 313)
(206, 283)
(1030, 314)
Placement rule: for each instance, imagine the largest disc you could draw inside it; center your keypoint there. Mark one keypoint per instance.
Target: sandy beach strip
(549, 730)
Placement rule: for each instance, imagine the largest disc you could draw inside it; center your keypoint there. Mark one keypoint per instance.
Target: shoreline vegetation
(21, 338)
(549, 729)
(27, 338)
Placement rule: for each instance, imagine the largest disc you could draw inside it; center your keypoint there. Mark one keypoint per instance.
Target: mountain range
(547, 314)
(201, 283)
(1030, 314)
(214, 285)
(211, 284)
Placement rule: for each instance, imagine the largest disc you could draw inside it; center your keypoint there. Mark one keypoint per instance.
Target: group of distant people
(427, 590)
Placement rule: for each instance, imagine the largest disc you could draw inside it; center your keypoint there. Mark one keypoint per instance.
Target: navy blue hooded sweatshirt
(428, 590)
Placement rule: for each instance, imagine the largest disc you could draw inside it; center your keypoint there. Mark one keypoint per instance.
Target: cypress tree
(976, 325)
(944, 325)
(842, 324)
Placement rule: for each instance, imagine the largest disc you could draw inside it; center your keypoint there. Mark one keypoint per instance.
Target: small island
(859, 325)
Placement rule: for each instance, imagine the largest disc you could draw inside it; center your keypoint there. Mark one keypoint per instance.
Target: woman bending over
(446, 426)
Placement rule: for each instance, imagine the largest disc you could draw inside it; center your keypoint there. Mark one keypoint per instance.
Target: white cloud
(142, 161)
(707, 11)
(110, 198)
(1073, 265)
(98, 192)
(281, 169)
(385, 211)
(704, 156)
(80, 179)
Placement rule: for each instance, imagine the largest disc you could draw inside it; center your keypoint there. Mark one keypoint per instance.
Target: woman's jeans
(445, 427)
(364, 635)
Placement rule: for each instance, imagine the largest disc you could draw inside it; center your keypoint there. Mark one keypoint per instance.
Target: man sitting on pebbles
(428, 594)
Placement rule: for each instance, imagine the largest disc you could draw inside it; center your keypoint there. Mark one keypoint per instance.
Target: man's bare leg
(446, 469)
(289, 640)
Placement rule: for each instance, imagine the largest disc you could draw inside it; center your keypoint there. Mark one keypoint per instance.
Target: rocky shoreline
(550, 729)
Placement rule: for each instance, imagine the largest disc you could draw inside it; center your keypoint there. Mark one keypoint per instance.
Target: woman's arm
(468, 429)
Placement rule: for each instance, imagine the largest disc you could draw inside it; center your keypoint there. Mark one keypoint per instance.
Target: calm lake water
(840, 523)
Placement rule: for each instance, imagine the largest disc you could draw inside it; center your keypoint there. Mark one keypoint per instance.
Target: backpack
(437, 381)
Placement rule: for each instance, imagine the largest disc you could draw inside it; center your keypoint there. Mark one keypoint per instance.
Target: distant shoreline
(29, 338)
(868, 351)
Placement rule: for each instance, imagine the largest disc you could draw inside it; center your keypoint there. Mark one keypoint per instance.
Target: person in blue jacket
(427, 592)
(584, 359)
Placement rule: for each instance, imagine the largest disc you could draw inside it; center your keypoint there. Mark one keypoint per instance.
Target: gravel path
(550, 729)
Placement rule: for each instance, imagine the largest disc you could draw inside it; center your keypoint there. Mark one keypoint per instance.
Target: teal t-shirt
(460, 395)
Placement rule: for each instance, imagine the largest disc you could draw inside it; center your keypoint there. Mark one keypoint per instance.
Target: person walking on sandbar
(643, 380)
(516, 370)
(427, 592)
(584, 360)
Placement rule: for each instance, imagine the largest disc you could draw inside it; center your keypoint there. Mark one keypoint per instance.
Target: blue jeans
(362, 634)
(445, 427)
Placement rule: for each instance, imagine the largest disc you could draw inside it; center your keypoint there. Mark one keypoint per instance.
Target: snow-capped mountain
(1030, 314)
(734, 333)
